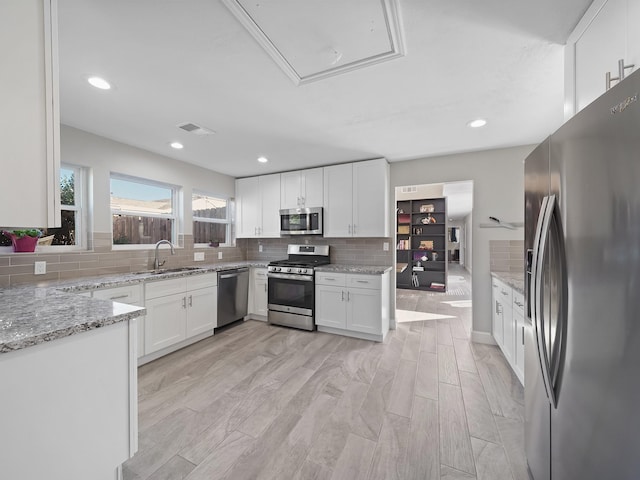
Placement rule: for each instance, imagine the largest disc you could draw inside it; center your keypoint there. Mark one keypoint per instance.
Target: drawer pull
(330, 278)
(119, 296)
(362, 281)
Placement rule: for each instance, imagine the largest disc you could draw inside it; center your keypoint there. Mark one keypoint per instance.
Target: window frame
(229, 221)
(80, 189)
(174, 216)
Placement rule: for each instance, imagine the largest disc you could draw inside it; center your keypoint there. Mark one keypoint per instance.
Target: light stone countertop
(33, 314)
(514, 280)
(364, 269)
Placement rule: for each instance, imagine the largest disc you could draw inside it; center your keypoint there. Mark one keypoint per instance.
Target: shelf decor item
(404, 218)
(429, 208)
(417, 230)
(403, 229)
(24, 240)
(426, 245)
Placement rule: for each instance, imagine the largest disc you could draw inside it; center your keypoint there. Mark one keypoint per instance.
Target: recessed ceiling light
(263, 159)
(100, 83)
(479, 122)
(176, 145)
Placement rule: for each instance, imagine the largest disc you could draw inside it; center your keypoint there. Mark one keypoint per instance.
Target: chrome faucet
(157, 263)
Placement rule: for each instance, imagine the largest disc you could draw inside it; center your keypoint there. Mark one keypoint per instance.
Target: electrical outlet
(385, 246)
(219, 255)
(260, 248)
(40, 268)
(198, 256)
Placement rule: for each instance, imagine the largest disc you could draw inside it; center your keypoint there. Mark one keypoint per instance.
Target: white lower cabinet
(258, 294)
(498, 314)
(508, 324)
(131, 295)
(179, 310)
(518, 321)
(356, 305)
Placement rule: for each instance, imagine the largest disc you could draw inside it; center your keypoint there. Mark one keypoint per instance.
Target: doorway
(433, 252)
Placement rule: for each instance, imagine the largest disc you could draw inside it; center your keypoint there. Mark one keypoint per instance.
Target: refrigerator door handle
(549, 220)
(537, 306)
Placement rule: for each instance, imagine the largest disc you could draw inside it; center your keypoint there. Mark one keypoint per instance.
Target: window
(71, 231)
(143, 211)
(212, 219)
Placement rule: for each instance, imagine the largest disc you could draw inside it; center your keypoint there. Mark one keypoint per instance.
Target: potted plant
(24, 240)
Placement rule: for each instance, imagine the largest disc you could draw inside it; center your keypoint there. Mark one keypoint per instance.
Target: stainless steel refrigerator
(582, 240)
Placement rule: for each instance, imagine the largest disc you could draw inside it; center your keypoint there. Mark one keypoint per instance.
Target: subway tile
(16, 269)
(5, 261)
(62, 267)
(22, 279)
(4, 281)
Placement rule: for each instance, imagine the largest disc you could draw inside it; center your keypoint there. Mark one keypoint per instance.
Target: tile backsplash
(352, 251)
(16, 269)
(506, 255)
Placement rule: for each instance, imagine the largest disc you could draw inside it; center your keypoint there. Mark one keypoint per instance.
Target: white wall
(498, 190)
(104, 156)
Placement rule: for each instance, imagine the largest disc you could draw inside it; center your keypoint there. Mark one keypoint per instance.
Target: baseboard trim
(482, 337)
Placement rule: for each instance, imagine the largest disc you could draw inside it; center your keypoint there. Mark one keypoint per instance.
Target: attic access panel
(315, 39)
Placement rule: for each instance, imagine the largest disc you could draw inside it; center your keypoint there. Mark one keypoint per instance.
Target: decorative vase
(22, 244)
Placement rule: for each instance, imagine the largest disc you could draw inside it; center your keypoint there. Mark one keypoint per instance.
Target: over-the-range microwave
(301, 221)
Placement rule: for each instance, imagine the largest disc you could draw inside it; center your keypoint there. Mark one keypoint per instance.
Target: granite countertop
(365, 269)
(514, 280)
(33, 314)
(119, 280)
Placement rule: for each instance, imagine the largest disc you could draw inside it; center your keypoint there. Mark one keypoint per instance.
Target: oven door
(291, 293)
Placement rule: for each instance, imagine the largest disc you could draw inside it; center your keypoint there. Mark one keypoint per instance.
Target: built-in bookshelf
(421, 244)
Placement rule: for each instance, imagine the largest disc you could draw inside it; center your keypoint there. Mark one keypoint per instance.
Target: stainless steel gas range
(291, 292)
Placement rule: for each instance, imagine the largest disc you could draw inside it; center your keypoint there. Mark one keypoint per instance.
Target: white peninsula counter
(68, 370)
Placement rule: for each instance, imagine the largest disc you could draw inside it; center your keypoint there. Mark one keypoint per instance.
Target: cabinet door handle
(354, 228)
(349, 228)
(348, 296)
(302, 201)
(184, 302)
(523, 335)
(362, 281)
(298, 201)
(343, 295)
(191, 300)
(265, 288)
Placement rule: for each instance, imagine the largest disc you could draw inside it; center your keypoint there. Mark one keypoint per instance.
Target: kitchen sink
(167, 270)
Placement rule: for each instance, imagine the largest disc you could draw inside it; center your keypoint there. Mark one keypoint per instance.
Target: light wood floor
(259, 401)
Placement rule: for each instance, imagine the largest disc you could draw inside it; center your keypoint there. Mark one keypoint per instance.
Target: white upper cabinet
(301, 189)
(607, 33)
(356, 199)
(29, 119)
(338, 200)
(258, 207)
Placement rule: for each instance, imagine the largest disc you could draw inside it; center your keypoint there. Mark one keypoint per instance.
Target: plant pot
(23, 244)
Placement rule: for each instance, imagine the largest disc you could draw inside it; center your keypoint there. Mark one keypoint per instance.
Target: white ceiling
(176, 61)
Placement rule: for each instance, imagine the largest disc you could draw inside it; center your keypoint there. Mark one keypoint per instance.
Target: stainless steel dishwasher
(233, 295)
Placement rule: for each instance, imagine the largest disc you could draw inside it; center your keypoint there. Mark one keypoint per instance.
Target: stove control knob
(302, 270)
(277, 269)
(289, 270)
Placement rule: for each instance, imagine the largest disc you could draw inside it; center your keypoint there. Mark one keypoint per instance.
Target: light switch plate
(385, 246)
(219, 255)
(198, 256)
(40, 268)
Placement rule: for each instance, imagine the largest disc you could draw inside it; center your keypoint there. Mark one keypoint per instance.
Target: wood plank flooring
(264, 402)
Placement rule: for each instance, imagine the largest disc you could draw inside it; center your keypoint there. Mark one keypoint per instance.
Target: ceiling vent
(412, 189)
(195, 129)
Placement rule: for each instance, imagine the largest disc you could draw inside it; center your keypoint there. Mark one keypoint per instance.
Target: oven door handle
(286, 276)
